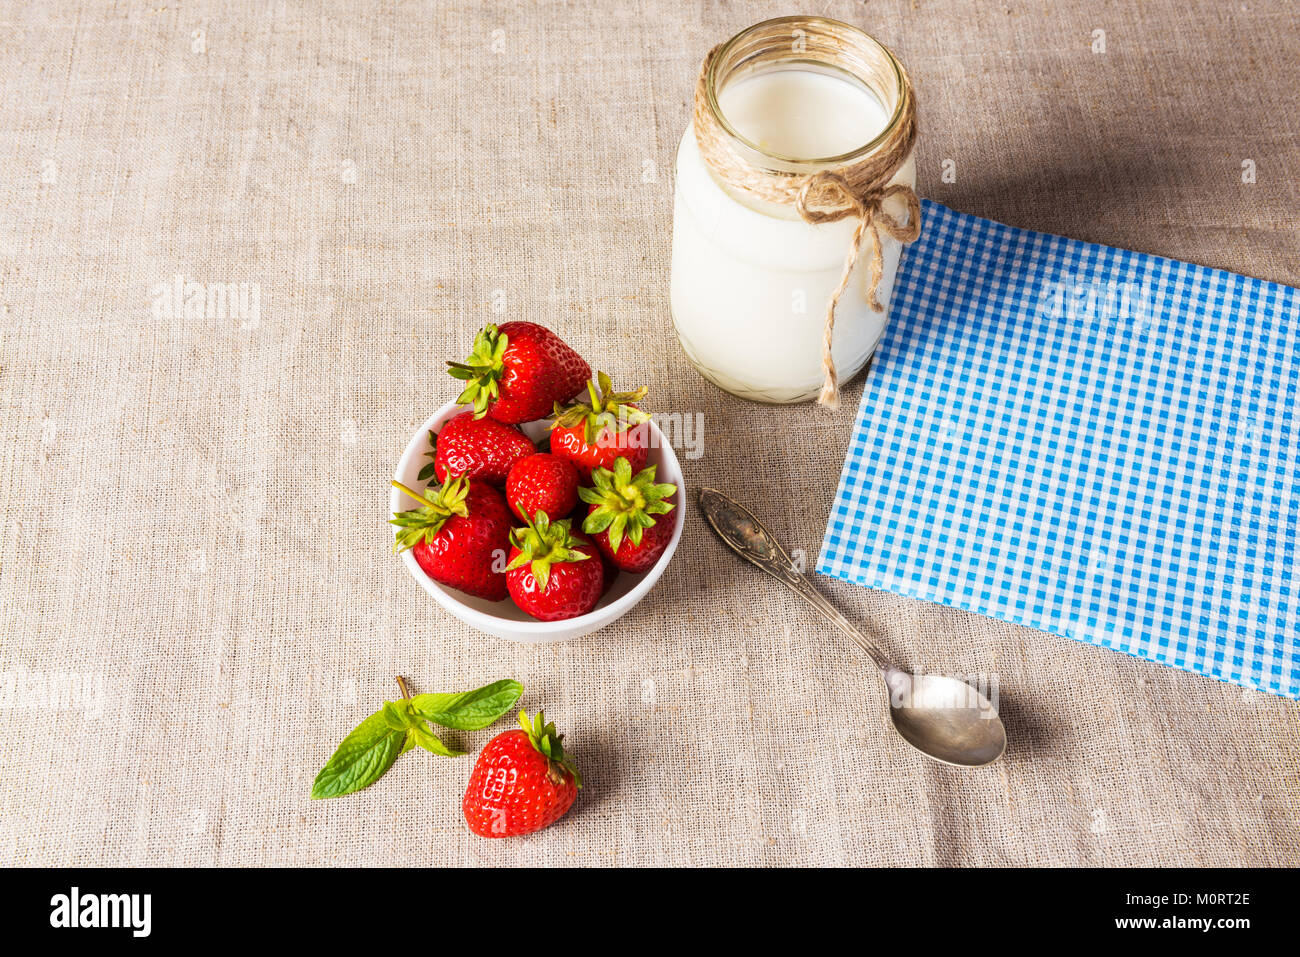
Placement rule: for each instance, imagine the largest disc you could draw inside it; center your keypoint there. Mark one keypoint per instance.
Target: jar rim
(829, 24)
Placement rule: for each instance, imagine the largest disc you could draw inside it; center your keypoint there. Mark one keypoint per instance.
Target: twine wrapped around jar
(859, 190)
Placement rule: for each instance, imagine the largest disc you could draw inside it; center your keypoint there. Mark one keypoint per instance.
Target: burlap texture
(193, 507)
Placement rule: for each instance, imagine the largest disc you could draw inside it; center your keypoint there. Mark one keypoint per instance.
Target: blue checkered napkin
(1094, 442)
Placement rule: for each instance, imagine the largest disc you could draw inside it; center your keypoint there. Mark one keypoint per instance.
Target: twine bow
(872, 217)
(859, 190)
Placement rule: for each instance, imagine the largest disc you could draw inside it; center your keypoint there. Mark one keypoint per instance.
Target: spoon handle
(747, 536)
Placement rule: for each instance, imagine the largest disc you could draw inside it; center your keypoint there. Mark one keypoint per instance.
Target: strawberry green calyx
(423, 523)
(482, 370)
(541, 544)
(547, 742)
(626, 503)
(603, 409)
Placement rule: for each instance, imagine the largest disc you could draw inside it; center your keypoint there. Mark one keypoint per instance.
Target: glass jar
(750, 278)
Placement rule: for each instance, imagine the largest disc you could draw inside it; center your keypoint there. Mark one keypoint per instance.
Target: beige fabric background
(193, 509)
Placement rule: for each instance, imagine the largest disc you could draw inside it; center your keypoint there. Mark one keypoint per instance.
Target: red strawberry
(622, 516)
(458, 535)
(611, 574)
(553, 574)
(522, 781)
(482, 449)
(542, 483)
(594, 433)
(518, 371)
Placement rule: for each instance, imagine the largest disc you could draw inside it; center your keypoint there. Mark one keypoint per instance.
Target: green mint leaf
(360, 760)
(398, 715)
(469, 710)
(421, 735)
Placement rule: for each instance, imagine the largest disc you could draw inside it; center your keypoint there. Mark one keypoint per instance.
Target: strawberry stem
(422, 524)
(625, 503)
(541, 544)
(482, 371)
(546, 741)
(605, 409)
(414, 494)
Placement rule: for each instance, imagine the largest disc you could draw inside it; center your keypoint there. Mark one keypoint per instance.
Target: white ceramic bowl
(503, 618)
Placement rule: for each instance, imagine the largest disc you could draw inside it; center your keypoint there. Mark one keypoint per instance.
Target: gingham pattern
(1086, 440)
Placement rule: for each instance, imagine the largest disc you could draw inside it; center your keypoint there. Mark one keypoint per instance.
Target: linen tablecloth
(197, 599)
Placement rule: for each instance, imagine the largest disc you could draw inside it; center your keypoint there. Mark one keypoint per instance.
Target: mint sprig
(373, 745)
(361, 759)
(469, 710)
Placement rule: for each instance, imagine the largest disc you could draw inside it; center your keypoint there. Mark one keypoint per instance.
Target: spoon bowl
(945, 718)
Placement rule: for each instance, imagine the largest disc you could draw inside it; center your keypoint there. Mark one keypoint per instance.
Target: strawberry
(611, 574)
(523, 781)
(542, 483)
(622, 513)
(594, 433)
(552, 573)
(458, 535)
(482, 449)
(518, 371)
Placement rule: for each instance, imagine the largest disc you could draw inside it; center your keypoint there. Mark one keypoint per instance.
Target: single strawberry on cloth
(1094, 442)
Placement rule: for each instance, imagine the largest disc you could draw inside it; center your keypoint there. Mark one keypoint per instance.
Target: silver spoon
(943, 718)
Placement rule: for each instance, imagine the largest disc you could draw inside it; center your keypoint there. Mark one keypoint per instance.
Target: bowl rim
(599, 616)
